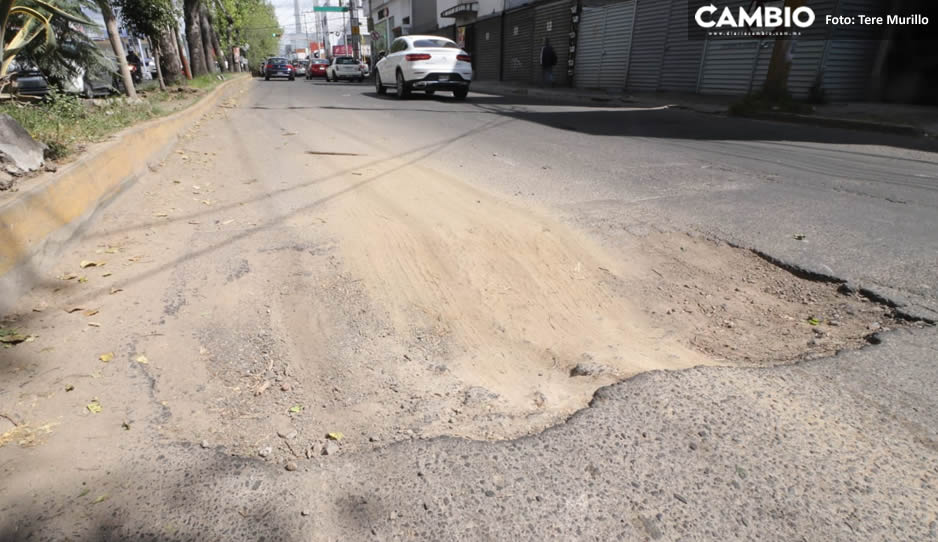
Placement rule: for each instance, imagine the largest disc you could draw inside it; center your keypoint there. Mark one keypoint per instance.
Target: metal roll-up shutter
(851, 51)
(680, 68)
(729, 66)
(589, 47)
(487, 54)
(648, 43)
(808, 52)
(552, 21)
(517, 55)
(602, 59)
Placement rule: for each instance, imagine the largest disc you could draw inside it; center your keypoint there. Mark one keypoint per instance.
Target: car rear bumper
(279, 74)
(452, 81)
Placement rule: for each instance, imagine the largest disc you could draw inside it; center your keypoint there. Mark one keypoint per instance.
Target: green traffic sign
(331, 8)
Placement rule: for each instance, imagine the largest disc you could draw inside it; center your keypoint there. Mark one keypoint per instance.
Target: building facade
(639, 45)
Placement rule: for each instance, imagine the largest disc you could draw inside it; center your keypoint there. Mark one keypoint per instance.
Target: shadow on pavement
(176, 492)
(615, 120)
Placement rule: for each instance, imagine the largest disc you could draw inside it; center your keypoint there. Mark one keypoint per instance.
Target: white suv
(428, 63)
(344, 67)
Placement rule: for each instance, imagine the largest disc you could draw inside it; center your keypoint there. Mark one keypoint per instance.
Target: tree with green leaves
(149, 18)
(252, 25)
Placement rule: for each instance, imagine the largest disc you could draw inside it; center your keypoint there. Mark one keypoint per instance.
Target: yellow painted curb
(77, 189)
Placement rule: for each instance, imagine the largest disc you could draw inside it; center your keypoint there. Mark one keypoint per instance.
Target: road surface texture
(329, 315)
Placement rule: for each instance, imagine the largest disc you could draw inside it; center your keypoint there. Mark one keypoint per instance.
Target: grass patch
(759, 103)
(66, 123)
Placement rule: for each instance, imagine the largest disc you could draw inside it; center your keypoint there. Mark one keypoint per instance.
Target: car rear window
(436, 43)
(321, 61)
(278, 61)
(346, 61)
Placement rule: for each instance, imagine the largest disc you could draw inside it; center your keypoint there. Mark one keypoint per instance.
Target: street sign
(375, 36)
(331, 8)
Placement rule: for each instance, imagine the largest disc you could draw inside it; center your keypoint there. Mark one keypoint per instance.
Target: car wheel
(86, 91)
(379, 86)
(461, 94)
(266, 78)
(402, 90)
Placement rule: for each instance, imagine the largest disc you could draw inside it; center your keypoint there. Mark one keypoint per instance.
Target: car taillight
(463, 58)
(417, 56)
(289, 67)
(269, 67)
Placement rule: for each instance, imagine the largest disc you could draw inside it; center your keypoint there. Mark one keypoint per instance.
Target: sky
(285, 10)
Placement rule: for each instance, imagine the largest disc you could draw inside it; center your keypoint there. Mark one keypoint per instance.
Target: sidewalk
(915, 120)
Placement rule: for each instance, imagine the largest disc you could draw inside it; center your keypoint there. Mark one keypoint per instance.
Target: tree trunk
(216, 43)
(110, 23)
(207, 41)
(183, 56)
(158, 54)
(193, 16)
(170, 57)
(776, 80)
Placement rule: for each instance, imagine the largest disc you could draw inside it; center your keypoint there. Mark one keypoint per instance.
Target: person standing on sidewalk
(548, 61)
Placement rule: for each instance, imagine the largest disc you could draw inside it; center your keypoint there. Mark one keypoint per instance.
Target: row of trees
(44, 30)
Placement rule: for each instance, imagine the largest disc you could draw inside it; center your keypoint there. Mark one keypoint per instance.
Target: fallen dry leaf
(142, 359)
(115, 290)
(69, 276)
(106, 358)
(160, 215)
(107, 275)
(94, 406)
(89, 263)
(74, 309)
(94, 324)
(82, 279)
(90, 312)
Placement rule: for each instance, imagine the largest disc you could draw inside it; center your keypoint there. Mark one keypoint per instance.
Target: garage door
(552, 21)
(648, 43)
(486, 53)
(517, 56)
(602, 53)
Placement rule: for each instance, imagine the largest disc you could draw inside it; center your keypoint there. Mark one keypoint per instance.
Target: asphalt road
(232, 255)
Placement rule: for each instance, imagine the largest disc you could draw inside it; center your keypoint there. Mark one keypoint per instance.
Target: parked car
(299, 67)
(278, 67)
(317, 68)
(27, 80)
(428, 63)
(100, 81)
(344, 67)
(365, 70)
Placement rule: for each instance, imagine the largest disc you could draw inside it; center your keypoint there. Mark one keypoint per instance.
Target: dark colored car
(317, 68)
(279, 67)
(27, 80)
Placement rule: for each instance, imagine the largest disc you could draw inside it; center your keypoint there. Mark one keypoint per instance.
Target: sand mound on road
(519, 299)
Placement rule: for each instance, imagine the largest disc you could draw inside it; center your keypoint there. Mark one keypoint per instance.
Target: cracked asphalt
(208, 255)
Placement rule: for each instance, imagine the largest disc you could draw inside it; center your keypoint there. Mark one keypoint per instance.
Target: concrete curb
(40, 220)
(833, 122)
